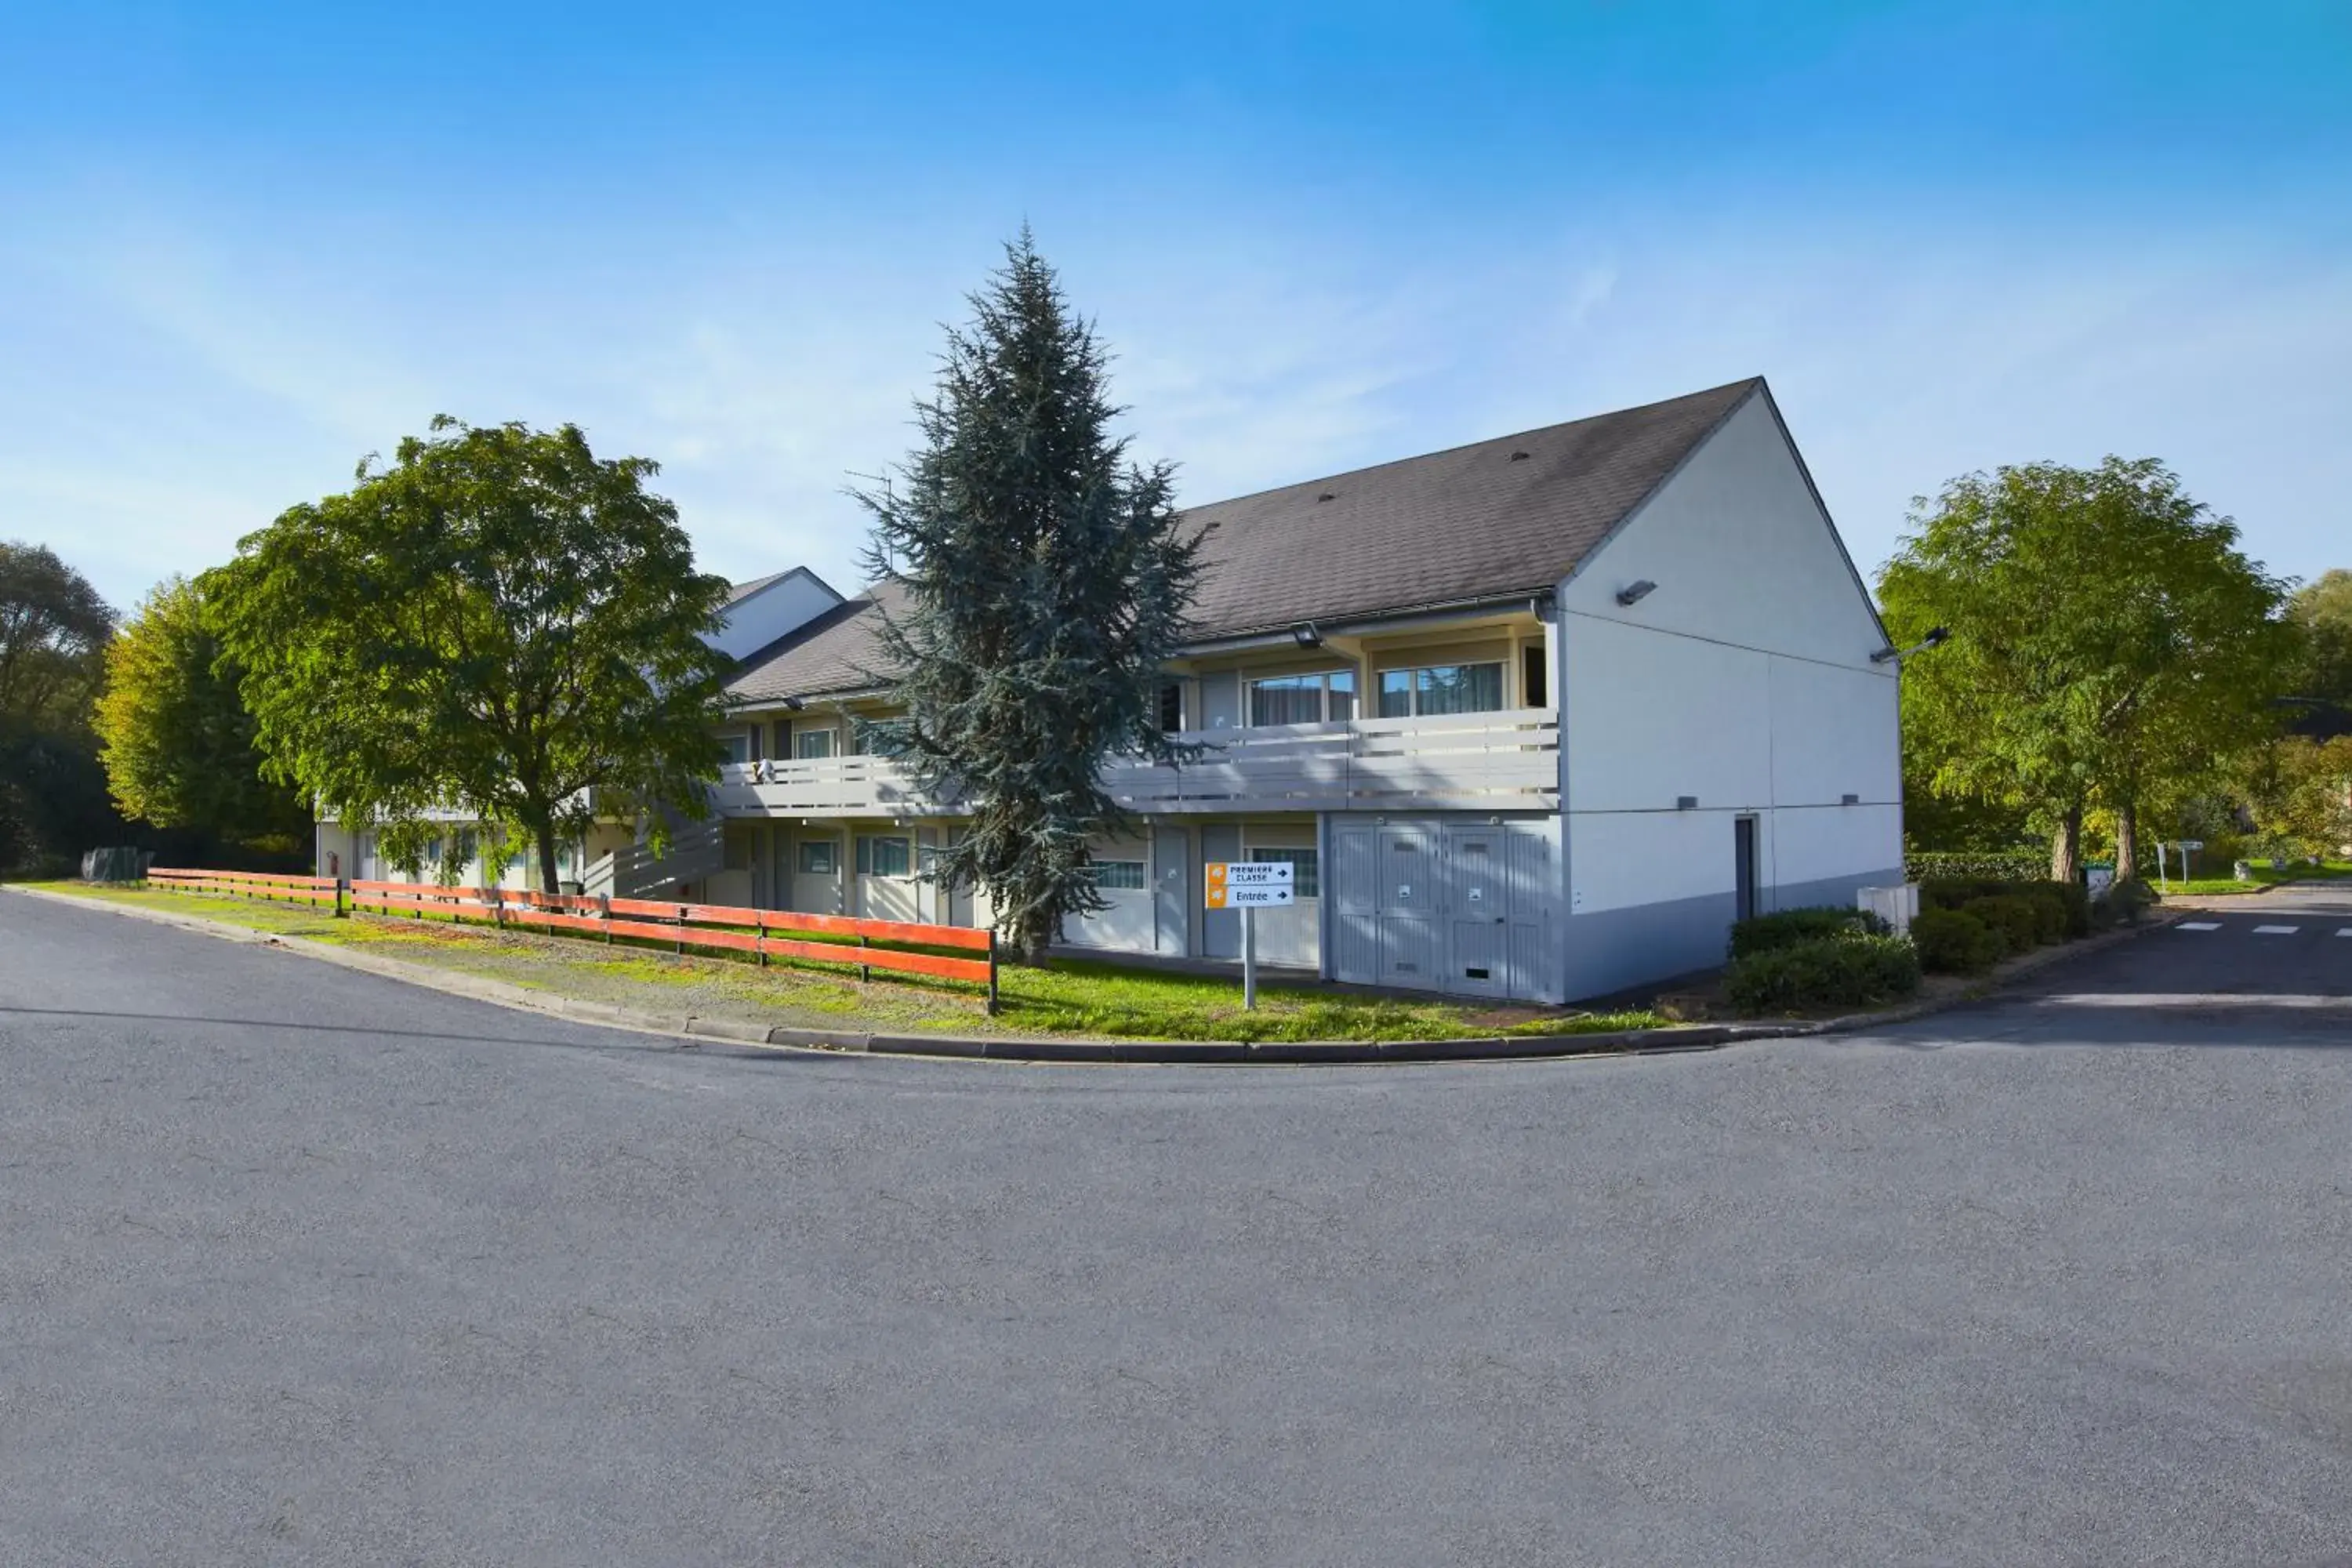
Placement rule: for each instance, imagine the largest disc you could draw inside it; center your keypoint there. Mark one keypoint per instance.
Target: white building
(1536, 718)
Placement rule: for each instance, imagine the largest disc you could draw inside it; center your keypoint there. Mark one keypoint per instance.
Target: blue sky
(241, 245)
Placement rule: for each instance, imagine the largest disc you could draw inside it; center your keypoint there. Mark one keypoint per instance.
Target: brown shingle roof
(1472, 522)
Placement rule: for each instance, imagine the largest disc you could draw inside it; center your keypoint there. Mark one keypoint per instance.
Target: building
(1534, 717)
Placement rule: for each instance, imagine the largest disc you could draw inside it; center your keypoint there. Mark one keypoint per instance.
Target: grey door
(1350, 884)
(1407, 895)
(1538, 962)
(1477, 911)
(1171, 893)
(1221, 930)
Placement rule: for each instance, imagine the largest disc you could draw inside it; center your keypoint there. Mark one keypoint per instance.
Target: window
(1305, 867)
(1171, 706)
(1118, 876)
(885, 856)
(1303, 699)
(467, 844)
(812, 744)
(1442, 688)
(736, 841)
(817, 857)
(737, 746)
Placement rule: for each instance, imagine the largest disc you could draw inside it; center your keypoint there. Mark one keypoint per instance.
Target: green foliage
(1952, 941)
(2108, 640)
(1786, 928)
(1041, 583)
(2012, 917)
(2321, 612)
(1996, 865)
(53, 633)
(499, 621)
(1854, 970)
(177, 741)
(2301, 797)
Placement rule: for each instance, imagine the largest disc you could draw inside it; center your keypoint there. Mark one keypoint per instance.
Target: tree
(53, 632)
(178, 744)
(2321, 612)
(499, 621)
(2108, 642)
(1045, 579)
(2302, 798)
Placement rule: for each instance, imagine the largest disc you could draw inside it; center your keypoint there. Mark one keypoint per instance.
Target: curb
(1673, 1040)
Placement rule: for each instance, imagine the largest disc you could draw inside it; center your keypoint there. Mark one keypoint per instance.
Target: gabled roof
(739, 591)
(1512, 515)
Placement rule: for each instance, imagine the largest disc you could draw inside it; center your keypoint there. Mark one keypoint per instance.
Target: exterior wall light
(1304, 635)
(793, 704)
(1686, 802)
(1633, 593)
(1935, 638)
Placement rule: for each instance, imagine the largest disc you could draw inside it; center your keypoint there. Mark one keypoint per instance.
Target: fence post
(865, 971)
(604, 915)
(342, 889)
(991, 971)
(760, 935)
(498, 901)
(681, 931)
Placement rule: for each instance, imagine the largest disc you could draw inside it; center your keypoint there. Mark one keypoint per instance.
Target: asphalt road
(301, 1266)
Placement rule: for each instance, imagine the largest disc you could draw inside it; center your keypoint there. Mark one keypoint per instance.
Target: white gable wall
(1744, 680)
(751, 623)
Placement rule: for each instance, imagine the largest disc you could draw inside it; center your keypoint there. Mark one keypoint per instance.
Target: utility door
(1172, 891)
(1352, 884)
(1538, 960)
(1408, 898)
(1477, 914)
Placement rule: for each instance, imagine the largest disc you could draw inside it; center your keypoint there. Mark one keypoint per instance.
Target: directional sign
(1249, 884)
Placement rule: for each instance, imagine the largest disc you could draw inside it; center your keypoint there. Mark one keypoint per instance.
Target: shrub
(1953, 942)
(1956, 892)
(1786, 928)
(2049, 913)
(2011, 916)
(1989, 865)
(1856, 970)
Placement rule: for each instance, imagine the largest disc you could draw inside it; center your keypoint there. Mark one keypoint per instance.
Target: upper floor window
(812, 744)
(1171, 706)
(1328, 695)
(1442, 688)
(737, 746)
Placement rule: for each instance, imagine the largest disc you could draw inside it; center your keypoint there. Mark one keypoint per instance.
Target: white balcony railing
(1486, 761)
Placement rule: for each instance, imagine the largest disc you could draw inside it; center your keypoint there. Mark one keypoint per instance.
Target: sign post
(1249, 886)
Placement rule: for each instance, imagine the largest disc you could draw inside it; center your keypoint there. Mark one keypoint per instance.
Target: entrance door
(1743, 849)
(1171, 893)
(1477, 911)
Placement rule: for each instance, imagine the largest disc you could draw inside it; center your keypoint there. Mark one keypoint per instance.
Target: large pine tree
(1043, 580)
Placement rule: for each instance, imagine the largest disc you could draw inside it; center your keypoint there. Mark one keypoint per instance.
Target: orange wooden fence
(866, 945)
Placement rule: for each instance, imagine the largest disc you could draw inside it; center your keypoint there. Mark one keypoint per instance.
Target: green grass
(2206, 887)
(1070, 997)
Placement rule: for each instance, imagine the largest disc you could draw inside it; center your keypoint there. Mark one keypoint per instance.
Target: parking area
(300, 1265)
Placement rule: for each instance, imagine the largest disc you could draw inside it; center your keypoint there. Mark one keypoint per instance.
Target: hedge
(1953, 942)
(1993, 865)
(1853, 970)
(2015, 918)
(1786, 928)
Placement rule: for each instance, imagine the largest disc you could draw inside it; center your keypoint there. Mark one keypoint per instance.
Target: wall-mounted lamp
(1633, 593)
(1935, 638)
(793, 704)
(1686, 802)
(1849, 800)
(1304, 635)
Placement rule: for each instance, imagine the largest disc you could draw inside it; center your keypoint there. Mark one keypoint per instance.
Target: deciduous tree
(499, 621)
(1043, 583)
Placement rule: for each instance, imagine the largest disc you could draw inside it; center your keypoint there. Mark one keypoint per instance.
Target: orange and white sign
(1249, 884)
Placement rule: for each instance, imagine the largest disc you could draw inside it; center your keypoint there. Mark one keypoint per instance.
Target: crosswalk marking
(2276, 930)
(2200, 925)
(2346, 931)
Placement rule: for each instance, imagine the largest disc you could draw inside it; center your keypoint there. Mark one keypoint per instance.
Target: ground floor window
(1305, 867)
(1119, 876)
(818, 857)
(883, 855)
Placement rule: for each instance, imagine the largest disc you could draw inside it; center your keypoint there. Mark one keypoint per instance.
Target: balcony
(1508, 761)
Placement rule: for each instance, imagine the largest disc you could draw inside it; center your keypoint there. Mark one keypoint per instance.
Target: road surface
(303, 1265)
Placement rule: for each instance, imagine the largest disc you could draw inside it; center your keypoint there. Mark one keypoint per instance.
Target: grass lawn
(1071, 997)
(2206, 887)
